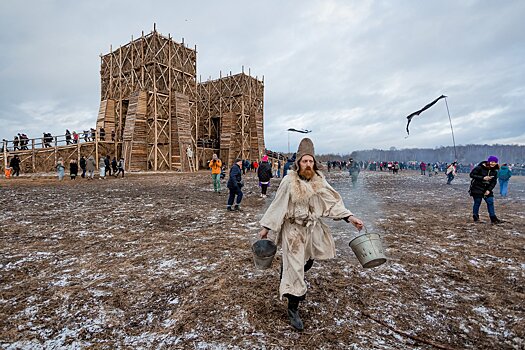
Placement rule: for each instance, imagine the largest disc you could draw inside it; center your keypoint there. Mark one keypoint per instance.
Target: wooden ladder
(190, 159)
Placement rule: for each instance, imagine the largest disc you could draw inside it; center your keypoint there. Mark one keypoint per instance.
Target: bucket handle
(366, 231)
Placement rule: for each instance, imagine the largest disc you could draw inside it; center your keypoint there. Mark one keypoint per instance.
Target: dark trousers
(120, 170)
(490, 205)
(234, 192)
(264, 188)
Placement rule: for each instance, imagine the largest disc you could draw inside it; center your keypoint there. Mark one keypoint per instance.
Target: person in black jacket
(114, 165)
(14, 164)
(107, 165)
(264, 173)
(484, 178)
(234, 185)
(68, 137)
(73, 169)
(83, 166)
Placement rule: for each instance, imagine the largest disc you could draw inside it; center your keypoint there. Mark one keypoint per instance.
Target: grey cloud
(349, 70)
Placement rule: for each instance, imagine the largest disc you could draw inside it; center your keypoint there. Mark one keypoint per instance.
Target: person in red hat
(302, 199)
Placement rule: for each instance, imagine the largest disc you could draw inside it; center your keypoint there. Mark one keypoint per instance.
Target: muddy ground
(155, 261)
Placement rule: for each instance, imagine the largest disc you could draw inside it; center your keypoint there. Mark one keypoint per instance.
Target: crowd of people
(266, 170)
(20, 141)
(106, 166)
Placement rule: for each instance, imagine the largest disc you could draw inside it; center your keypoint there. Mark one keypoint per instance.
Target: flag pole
(453, 139)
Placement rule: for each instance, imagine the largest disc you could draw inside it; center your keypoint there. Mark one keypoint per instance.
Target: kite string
(452, 129)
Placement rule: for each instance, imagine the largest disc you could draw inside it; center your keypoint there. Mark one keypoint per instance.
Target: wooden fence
(41, 154)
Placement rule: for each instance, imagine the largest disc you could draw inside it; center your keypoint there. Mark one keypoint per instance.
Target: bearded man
(302, 199)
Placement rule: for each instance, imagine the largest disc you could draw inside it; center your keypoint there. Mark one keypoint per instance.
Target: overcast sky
(350, 71)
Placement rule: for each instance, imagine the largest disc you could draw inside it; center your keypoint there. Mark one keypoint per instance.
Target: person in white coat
(102, 168)
(302, 199)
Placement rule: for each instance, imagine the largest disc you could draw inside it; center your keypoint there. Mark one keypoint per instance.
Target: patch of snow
(168, 264)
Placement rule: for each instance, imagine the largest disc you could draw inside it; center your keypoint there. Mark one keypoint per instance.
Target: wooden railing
(29, 149)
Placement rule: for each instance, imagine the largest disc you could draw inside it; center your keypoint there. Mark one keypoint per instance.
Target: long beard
(307, 173)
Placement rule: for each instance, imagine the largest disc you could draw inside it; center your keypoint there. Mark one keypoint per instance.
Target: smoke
(361, 202)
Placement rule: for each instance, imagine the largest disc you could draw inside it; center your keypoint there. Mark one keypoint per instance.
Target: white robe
(295, 215)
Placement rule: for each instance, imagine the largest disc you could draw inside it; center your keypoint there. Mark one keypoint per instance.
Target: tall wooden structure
(143, 82)
(230, 113)
(164, 120)
(156, 115)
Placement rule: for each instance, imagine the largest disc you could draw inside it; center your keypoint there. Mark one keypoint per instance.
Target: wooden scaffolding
(157, 117)
(230, 113)
(143, 81)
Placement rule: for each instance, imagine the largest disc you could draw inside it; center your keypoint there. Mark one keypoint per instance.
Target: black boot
(229, 208)
(475, 217)
(236, 207)
(494, 219)
(308, 265)
(293, 313)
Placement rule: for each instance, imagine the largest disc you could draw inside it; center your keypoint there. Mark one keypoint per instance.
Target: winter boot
(236, 207)
(494, 220)
(229, 208)
(308, 265)
(475, 217)
(293, 314)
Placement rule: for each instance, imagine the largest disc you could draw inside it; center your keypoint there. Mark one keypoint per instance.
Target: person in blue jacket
(289, 164)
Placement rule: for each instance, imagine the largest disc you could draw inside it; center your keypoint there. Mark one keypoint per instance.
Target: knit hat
(492, 159)
(237, 160)
(264, 158)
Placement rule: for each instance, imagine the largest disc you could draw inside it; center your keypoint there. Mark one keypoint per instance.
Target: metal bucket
(368, 249)
(263, 252)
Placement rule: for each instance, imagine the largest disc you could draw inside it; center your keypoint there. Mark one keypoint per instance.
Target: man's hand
(488, 178)
(356, 222)
(487, 193)
(263, 234)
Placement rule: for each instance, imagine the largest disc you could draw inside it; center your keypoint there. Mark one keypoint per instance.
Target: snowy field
(155, 261)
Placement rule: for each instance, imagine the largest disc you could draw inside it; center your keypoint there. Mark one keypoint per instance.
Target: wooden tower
(148, 97)
(164, 120)
(231, 117)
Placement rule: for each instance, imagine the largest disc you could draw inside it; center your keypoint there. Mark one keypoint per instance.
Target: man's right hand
(263, 234)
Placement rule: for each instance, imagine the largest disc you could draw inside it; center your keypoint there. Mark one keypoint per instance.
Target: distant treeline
(512, 154)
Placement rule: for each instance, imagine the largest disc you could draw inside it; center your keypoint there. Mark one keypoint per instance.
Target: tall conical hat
(306, 147)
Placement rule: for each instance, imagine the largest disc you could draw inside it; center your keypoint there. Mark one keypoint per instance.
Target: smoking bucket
(368, 249)
(263, 252)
